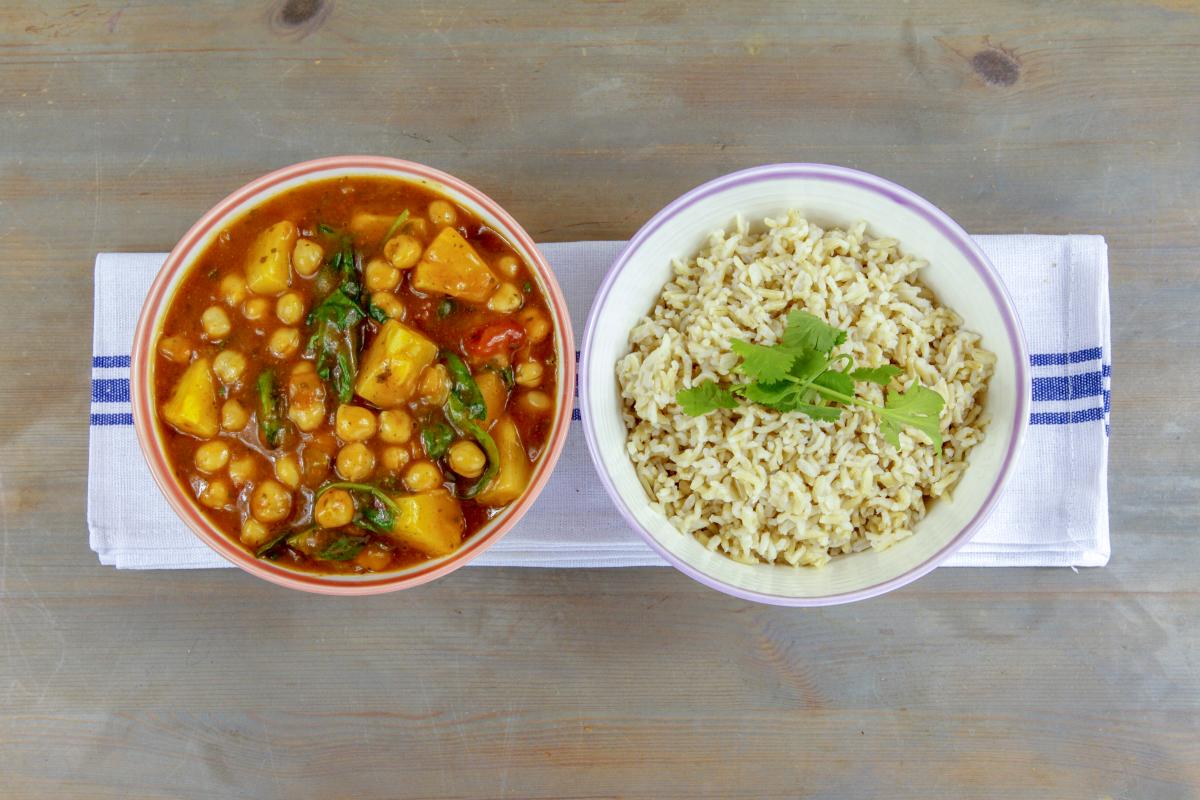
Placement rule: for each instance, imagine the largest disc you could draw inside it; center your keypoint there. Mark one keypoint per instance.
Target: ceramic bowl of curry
(353, 375)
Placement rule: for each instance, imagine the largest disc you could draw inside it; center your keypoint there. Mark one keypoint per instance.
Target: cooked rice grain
(763, 486)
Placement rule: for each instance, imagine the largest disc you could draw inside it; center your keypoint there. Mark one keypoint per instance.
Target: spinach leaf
(270, 408)
(436, 439)
(342, 548)
(336, 322)
(459, 415)
(399, 224)
(464, 387)
(375, 518)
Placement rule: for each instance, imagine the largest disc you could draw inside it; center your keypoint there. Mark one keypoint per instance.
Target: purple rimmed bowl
(958, 273)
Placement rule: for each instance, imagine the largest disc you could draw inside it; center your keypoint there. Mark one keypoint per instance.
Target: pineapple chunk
(392, 364)
(192, 408)
(269, 259)
(431, 522)
(515, 468)
(451, 266)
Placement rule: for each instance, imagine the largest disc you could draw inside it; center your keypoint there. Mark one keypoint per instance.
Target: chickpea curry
(356, 376)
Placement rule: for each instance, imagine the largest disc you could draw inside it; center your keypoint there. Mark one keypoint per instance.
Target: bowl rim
(157, 303)
(946, 227)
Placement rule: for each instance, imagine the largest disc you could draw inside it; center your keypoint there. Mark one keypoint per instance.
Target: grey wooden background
(121, 123)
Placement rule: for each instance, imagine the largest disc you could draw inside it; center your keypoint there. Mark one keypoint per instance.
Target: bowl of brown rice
(803, 503)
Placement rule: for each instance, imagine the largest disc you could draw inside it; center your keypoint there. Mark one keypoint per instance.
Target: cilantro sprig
(800, 374)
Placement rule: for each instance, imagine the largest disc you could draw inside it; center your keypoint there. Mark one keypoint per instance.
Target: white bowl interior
(950, 275)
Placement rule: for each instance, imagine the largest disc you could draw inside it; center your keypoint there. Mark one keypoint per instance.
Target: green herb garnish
(445, 308)
(270, 408)
(799, 374)
(436, 439)
(376, 313)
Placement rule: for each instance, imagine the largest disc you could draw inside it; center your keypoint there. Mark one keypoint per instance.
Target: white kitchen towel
(1054, 512)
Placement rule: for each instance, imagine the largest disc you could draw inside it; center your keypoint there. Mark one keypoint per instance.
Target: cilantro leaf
(704, 397)
(804, 332)
(763, 363)
(779, 395)
(880, 375)
(808, 366)
(816, 412)
(919, 408)
(839, 382)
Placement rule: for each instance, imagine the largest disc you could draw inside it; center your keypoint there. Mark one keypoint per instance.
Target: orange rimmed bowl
(192, 246)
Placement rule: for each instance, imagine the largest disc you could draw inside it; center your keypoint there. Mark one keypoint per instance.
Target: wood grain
(122, 123)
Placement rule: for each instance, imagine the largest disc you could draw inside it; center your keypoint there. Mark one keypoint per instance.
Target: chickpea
(287, 470)
(529, 374)
(216, 495)
(334, 509)
(255, 308)
(234, 416)
(537, 327)
(506, 299)
(418, 227)
(243, 470)
(394, 458)
(467, 459)
(254, 533)
(175, 348)
(211, 457)
(536, 401)
(306, 397)
(395, 426)
(215, 322)
(229, 366)
(284, 342)
(390, 305)
(403, 251)
(508, 266)
(381, 276)
(307, 256)
(233, 290)
(354, 423)
(442, 213)
(355, 462)
(421, 476)
(270, 502)
(290, 308)
(434, 385)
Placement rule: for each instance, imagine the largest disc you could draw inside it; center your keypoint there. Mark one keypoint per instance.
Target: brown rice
(764, 486)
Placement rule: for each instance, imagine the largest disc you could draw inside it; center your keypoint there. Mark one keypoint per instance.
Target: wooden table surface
(122, 123)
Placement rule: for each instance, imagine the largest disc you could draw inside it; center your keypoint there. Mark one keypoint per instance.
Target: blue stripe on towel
(102, 362)
(1058, 359)
(112, 419)
(1068, 387)
(1067, 417)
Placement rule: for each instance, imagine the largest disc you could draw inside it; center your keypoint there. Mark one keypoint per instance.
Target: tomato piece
(490, 339)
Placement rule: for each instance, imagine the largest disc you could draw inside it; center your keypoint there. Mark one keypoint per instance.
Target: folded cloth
(1053, 513)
